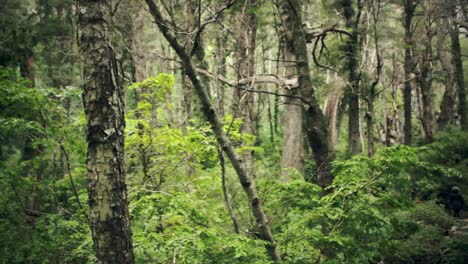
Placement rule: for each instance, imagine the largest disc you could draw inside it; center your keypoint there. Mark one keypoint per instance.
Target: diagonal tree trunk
(263, 225)
(103, 100)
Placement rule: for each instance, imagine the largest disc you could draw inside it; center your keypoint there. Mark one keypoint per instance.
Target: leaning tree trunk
(316, 125)
(103, 100)
(262, 223)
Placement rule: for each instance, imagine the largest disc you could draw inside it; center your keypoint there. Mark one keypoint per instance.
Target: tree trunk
(447, 106)
(207, 108)
(220, 71)
(293, 136)
(316, 125)
(425, 81)
(409, 7)
(185, 111)
(226, 197)
(246, 69)
(331, 109)
(458, 65)
(103, 100)
(372, 92)
(352, 91)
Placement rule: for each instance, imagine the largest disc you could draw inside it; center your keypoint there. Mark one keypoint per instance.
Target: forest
(233, 131)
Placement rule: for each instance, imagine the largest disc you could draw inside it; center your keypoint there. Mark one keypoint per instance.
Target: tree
(316, 125)
(425, 73)
(244, 99)
(351, 49)
(458, 65)
(409, 7)
(375, 13)
(248, 184)
(293, 137)
(103, 100)
(447, 105)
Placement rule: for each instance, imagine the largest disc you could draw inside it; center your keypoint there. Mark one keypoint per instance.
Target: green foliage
(152, 101)
(360, 220)
(34, 137)
(423, 237)
(176, 208)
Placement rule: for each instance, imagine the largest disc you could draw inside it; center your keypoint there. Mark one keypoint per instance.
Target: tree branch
(212, 19)
(312, 33)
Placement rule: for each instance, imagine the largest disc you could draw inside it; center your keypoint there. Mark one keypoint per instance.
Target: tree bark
(458, 65)
(447, 105)
(103, 100)
(246, 69)
(316, 125)
(372, 92)
(409, 8)
(293, 135)
(221, 69)
(425, 80)
(207, 108)
(351, 65)
(226, 197)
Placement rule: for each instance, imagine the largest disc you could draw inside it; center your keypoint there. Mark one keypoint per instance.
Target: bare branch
(312, 33)
(212, 19)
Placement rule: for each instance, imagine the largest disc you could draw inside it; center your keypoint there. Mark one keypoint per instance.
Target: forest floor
(460, 227)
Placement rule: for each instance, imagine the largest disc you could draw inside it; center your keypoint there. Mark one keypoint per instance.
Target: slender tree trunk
(263, 225)
(103, 99)
(425, 81)
(458, 65)
(246, 69)
(280, 48)
(372, 92)
(268, 88)
(185, 103)
(226, 197)
(447, 106)
(316, 125)
(221, 71)
(138, 69)
(409, 7)
(352, 91)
